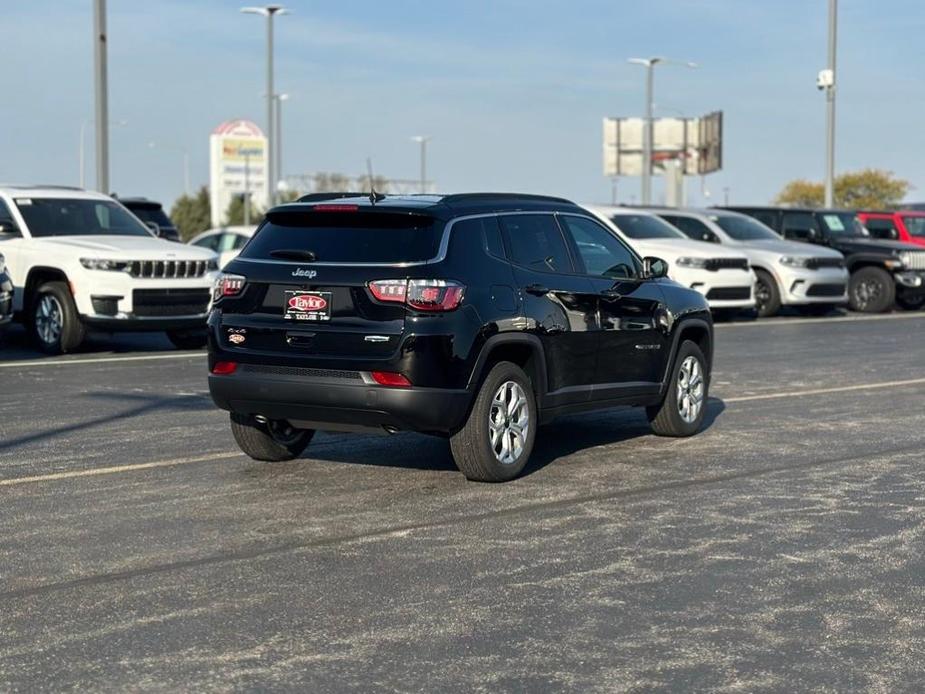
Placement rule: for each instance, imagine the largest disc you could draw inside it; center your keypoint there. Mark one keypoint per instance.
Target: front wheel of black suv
(188, 339)
(496, 441)
(681, 412)
(270, 441)
(871, 290)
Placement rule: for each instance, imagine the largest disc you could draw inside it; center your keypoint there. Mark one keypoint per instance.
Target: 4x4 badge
(299, 272)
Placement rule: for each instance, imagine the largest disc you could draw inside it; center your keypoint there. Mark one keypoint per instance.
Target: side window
(226, 242)
(692, 228)
(766, 217)
(601, 252)
(881, 228)
(102, 216)
(798, 225)
(210, 242)
(488, 229)
(535, 241)
(239, 241)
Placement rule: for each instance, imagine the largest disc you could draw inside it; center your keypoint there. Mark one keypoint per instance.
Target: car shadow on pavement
(16, 346)
(561, 438)
(143, 404)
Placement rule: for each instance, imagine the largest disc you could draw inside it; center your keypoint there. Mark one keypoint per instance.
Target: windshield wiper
(293, 254)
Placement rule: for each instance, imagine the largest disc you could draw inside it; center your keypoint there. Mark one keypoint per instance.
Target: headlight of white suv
(793, 261)
(692, 262)
(103, 264)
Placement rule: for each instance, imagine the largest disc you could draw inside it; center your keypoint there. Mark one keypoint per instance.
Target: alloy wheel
(762, 294)
(866, 293)
(49, 319)
(690, 389)
(509, 422)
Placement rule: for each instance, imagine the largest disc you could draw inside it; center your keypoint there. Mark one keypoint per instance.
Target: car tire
(54, 323)
(914, 303)
(681, 412)
(497, 438)
(272, 441)
(188, 339)
(767, 295)
(871, 290)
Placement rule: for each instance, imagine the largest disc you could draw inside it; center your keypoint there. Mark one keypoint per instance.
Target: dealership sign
(237, 164)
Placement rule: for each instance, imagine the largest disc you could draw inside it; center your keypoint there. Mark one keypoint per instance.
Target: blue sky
(512, 92)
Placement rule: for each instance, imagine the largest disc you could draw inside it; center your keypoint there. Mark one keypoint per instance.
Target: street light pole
(423, 140)
(830, 107)
(648, 125)
(102, 96)
(280, 98)
(269, 11)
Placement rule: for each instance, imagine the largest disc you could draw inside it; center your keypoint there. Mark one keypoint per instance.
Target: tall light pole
(423, 140)
(269, 11)
(827, 82)
(82, 148)
(185, 153)
(647, 131)
(280, 98)
(102, 96)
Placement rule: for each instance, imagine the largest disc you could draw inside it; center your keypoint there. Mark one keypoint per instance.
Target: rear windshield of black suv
(347, 237)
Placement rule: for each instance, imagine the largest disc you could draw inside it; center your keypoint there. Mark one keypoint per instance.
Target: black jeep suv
(882, 271)
(476, 317)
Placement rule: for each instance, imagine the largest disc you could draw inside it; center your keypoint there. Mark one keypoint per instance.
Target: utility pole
(280, 98)
(247, 189)
(269, 11)
(102, 96)
(423, 140)
(827, 82)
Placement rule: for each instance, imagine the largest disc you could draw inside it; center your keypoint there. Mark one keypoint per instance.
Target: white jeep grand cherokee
(79, 260)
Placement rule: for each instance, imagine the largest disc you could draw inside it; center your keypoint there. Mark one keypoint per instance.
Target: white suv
(722, 275)
(80, 260)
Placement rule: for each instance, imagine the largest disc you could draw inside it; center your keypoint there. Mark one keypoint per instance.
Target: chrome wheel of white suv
(49, 319)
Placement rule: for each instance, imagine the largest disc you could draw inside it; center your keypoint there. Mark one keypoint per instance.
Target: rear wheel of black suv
(271, 441)
(681, 412)
(871, 290)
(496, 441)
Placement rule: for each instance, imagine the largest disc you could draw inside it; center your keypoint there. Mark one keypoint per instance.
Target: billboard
(237, 163)
(697, 143)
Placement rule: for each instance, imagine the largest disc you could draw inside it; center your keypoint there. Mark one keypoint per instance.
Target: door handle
(536, 289)
(610, 295)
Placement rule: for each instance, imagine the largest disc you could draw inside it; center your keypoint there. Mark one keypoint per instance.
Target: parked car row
(77, 260)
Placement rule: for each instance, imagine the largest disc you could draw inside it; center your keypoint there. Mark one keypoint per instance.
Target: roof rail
(318, 197)
(53, 186)
(464, 198)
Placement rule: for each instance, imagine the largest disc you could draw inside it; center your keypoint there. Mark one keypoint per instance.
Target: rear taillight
(421, 295)
(228, 285)
(387, 378)
(224, 368)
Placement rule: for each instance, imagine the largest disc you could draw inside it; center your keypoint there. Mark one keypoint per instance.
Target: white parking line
(825, 391)
(52, 477)
(100, 360)
(771, 322)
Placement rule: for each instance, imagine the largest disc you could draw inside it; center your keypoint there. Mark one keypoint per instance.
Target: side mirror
(8, 228)
(155, 227)
(653, 268)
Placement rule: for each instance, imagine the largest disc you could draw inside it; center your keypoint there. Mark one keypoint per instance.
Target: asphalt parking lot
(781, 549)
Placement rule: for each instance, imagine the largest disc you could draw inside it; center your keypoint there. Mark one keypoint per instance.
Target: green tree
(234, 215)
(864, 189)
(192, 213)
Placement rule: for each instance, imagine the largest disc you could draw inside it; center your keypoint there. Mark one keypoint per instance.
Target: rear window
(349, 237)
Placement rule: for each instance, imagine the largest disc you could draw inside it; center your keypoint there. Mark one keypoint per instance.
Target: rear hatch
(305, 281)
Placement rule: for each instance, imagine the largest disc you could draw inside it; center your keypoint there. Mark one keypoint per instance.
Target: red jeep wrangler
(904, 225)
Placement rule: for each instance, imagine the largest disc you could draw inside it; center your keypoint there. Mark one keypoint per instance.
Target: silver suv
(789, 273)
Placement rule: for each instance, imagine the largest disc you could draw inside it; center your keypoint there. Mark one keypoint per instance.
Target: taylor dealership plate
(307, 306)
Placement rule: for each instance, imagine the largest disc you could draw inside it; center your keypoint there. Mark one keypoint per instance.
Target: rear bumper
(321, 404)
